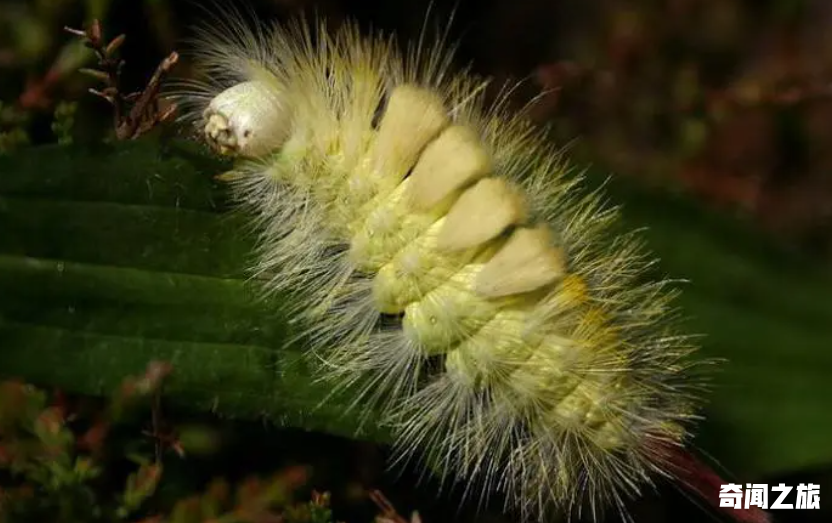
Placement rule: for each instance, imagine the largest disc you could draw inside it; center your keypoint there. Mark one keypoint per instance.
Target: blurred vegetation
(726, 101)
(62, 457)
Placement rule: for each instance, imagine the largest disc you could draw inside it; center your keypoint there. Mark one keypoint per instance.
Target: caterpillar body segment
(449, 268)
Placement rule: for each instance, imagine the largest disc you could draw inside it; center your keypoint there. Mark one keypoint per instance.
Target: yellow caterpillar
(450, 269)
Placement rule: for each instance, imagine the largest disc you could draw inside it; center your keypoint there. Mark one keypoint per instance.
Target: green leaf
(114, 257)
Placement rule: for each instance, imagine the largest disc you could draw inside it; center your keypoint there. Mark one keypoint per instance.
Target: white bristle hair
(447, 267)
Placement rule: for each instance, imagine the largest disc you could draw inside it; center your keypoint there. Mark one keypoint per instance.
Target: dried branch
(135, 113)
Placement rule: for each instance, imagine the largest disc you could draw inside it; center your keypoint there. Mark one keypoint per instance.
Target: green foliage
(169, 285)
(56, 462)
(64, 122)
(13, 133)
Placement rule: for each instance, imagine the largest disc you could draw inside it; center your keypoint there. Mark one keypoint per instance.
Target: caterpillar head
(248, 119)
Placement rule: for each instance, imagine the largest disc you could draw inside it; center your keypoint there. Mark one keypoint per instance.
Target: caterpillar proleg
(449, 268)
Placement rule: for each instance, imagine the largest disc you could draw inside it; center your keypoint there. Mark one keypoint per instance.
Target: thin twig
(134, 114)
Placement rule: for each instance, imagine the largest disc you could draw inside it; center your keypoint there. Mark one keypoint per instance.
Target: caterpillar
(449, 266)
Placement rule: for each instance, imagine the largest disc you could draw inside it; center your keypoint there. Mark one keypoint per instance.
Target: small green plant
(64, 122)
(13, 133)
(56, 461)
(51, 458)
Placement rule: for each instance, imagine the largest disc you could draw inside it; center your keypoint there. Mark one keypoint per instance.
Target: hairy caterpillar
(449, 269)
